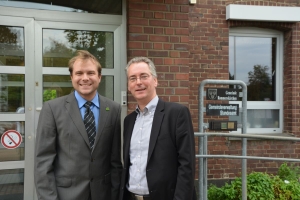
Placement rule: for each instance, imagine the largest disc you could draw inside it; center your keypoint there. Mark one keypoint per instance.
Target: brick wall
(159, 30)
(209, 60)
(189, 43)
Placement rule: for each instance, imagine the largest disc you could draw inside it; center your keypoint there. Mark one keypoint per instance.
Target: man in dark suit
(69, 163)
(159, 149)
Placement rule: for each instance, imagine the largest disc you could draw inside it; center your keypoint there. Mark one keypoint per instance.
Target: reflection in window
(12, 93)
(106, 87)
(55, 86)
(60, 45)
(12, 184)
(253, 60)
(263, 118)
(12, 46)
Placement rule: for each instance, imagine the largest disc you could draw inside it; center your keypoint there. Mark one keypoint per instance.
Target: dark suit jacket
(171, 156)
(65, 167)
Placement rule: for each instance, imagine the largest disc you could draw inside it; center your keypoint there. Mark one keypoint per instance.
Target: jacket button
(92, 179)
(92, 159)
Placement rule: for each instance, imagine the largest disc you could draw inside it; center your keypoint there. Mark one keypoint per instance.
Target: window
(255, 57)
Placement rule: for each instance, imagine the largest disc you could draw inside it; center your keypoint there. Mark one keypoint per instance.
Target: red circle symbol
(11, 139)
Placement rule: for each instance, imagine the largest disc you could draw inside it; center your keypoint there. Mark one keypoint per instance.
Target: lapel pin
(107, 108)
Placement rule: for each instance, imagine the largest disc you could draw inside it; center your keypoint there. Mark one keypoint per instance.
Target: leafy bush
(261, 186)
(290, 173)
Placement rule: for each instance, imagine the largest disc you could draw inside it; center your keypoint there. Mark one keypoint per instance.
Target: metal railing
(203, 187)
(203, 140)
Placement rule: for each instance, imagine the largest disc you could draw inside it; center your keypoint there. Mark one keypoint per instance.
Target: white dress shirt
(139, 146)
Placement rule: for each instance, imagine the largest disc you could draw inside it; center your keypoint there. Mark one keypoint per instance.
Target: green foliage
(261, 186)
(290, 173)
(49, 94)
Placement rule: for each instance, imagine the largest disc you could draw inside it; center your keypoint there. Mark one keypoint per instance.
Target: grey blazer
(65, 167)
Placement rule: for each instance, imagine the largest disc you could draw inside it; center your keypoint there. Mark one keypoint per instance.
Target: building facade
(192, 42)
(253, 41)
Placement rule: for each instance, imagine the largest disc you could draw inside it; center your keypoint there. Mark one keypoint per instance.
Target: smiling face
(143, 89)
(85, 78)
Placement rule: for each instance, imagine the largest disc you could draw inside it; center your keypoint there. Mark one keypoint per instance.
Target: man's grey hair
(145, 60)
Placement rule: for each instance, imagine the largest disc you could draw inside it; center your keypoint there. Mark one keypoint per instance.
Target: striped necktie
(89, 123)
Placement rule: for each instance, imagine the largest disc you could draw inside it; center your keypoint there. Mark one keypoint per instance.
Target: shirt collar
(81, 101)
(151, 106)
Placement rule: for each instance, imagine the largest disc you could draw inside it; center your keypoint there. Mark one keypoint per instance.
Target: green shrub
(261, 186)
(290, 173)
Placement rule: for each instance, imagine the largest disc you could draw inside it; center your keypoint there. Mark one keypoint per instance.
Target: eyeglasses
(133, 79)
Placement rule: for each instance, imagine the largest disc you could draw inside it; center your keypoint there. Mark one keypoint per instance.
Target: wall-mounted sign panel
(223, 94)
(223, 125)
(222, 109)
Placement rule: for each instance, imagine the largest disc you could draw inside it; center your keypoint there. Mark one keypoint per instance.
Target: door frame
(33, 22)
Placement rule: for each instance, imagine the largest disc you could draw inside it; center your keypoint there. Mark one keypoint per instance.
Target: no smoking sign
(11, 139)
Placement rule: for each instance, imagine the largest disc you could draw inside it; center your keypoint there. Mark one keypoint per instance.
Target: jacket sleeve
(185, 144)
(45, 153)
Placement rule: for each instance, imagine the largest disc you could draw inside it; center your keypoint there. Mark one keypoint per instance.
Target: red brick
(158, 15)
(158, 53)
(180, 16)
(148, 30)
(154, 38)
(182, 76)
(138, 6)
(169, 31)
(158, 46)
(158, 31)
(168, 61)
(135, 29)
(158, 7)
(138, 21)
(163, 23)
(138, 53)
(168, 46)
(174, 54)
(138, 37)
(149, 15)
(135, 45)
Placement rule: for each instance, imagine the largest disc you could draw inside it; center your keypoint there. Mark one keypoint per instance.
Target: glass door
(34, 54)
(57, 43)
(16, 107)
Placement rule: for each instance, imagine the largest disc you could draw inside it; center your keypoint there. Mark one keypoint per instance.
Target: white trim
(278, 104)
(58, 16)
(262, 13)
(12, 165)
(193, 1)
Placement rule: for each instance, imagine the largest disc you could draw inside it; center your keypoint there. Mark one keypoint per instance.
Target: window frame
(278, 103)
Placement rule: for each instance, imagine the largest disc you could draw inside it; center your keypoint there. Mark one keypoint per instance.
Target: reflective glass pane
(12, 154)
(106, 87)
(60, 45)
(12, 93)
(253, 60)
(56, 86)
(263, 118)
(59, 85)
(12, 46)
(12, 184)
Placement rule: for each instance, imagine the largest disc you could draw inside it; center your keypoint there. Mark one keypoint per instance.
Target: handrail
(244, 157)
(203, 140)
